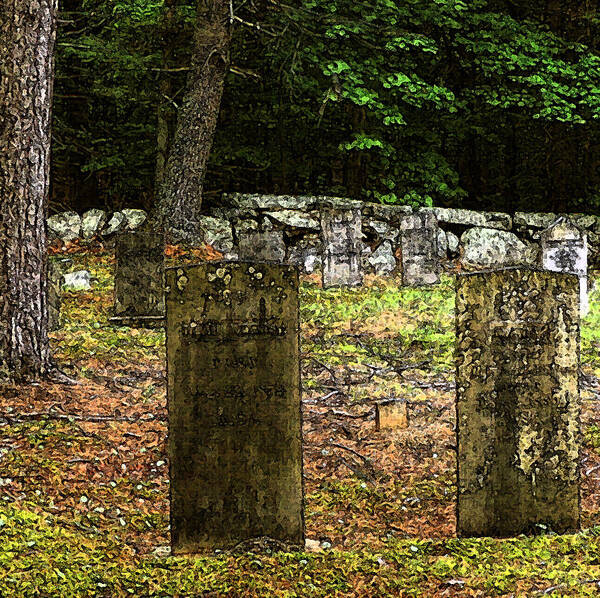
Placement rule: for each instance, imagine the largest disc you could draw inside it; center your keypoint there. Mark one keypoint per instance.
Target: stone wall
(472, 239)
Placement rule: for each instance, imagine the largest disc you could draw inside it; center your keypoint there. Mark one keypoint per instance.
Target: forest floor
(84, 508)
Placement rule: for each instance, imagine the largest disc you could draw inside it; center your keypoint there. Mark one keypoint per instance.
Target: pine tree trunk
(180, 196)
(27, 34)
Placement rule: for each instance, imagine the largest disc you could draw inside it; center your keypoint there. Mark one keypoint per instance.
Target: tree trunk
(27, 34)
(164, 128)
(180, 197)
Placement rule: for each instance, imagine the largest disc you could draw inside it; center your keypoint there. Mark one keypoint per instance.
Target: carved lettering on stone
(235, 433)
(341, 232)
(517, 360)
(419, 247)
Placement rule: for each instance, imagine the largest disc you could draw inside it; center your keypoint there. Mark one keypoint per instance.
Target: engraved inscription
(234, 404)
(517, 362)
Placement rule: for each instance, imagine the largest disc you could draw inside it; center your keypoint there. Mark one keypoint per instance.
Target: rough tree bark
(180, 196)
(27, 34)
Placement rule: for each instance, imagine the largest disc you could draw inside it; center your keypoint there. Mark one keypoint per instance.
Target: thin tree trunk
(180, 197)
(27, 34)
(164, 128)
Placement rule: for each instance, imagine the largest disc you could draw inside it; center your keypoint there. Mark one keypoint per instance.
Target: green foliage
(480, 103)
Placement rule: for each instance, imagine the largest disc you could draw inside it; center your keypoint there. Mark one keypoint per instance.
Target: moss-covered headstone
(139, 279)
(341, 231)
(419, 246)
(517, 406)
(235, 434)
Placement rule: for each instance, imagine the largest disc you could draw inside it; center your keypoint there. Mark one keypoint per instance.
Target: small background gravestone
(341, 231)
(391, 415)
(55, 278)
(139, 279)
(565, 249)
(262, 246)
(235, 431)
(517, 404)
(419, 246)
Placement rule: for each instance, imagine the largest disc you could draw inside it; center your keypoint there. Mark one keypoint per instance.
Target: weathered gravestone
(419, 246)
(235, 433)
(139, 279)
(565, 249)
(262, 246)
(517, 405)
(55, 278)
(341, 231)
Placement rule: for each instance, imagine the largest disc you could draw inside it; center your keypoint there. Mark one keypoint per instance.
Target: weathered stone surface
(217, 233)
(116, 223)
(134, 218)
(295, 219)
(382, 260)
(388, 213)
(235, 434)
(383, 230)
(533, 220)
(244, 226)
(65, 226)
(267, 246)
(517, 360)
(92, 222)
(270, 202)
(77, 281)
(341, 232)
(139, 279)
(490, 248)
(419, 238)
(453, 242)
(55, 280)
(339, 203)
(497, 220)
(442, 243)
(564, 249)
(584, 221)
(306, 254)
(391, 415)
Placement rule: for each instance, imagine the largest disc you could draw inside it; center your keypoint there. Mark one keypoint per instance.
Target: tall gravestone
(419, 247)
(235, 430)
(341, 231)
(55, 279)
(139, 279)
(517, 406)
(262, 246)
(565, 249)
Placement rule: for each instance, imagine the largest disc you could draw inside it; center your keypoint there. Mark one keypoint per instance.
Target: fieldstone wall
(475, 240)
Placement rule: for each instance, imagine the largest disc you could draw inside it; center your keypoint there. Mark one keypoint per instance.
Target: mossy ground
(84, 485)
